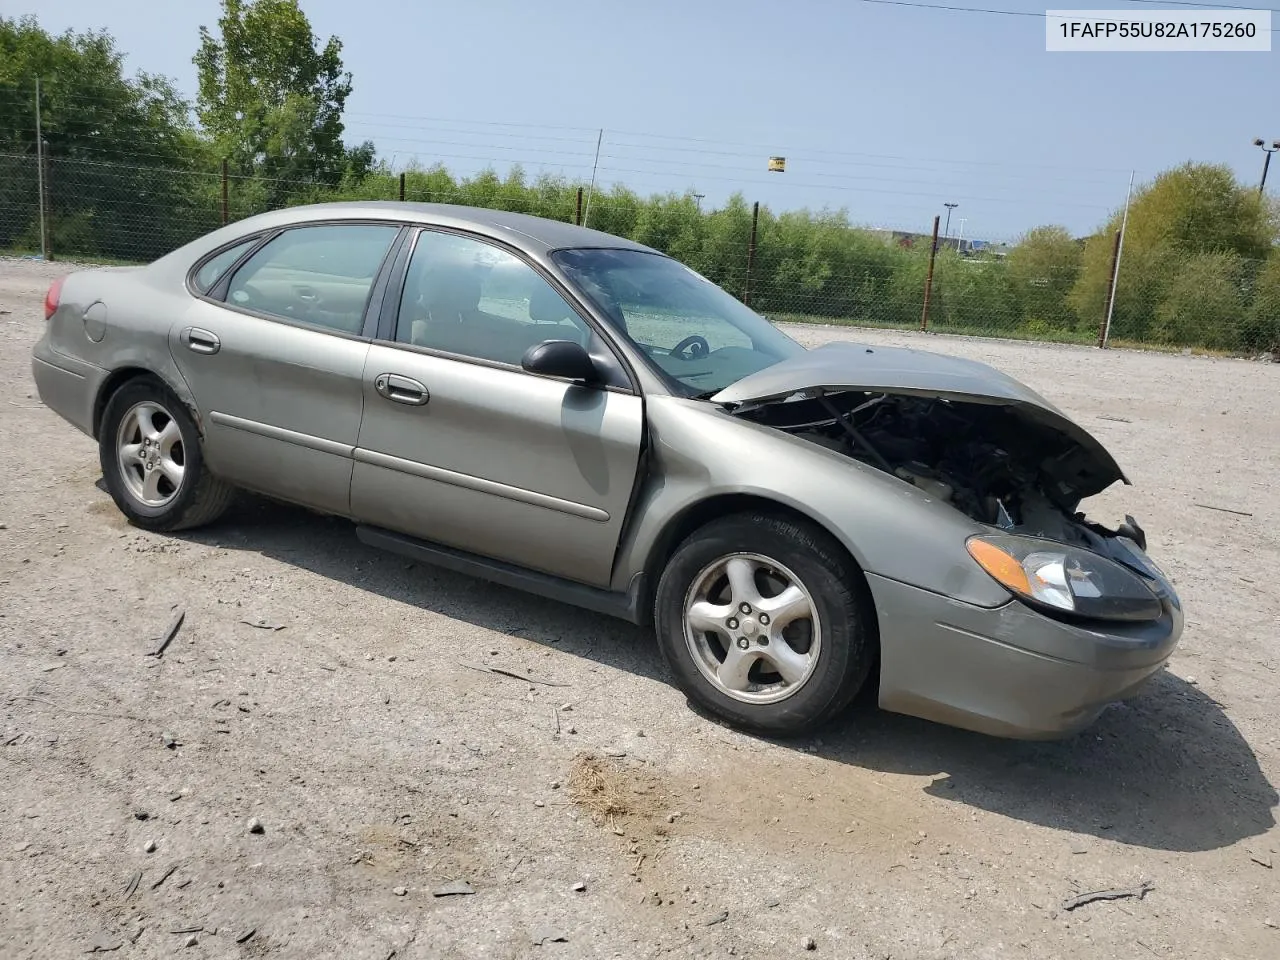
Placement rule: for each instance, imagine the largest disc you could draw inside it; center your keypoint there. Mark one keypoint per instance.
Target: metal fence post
(577, 217)
(225, 195)
(44, 234)
(928, 280)
(1111, 293)
(402, 187)
(751, 253)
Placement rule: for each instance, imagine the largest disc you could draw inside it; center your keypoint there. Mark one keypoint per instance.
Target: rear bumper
(67, 386)
(1008, 671)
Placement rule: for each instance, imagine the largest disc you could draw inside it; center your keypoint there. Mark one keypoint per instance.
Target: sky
(887, 111)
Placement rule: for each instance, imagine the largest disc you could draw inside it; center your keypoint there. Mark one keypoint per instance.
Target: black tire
(840, 596)
(199, 498)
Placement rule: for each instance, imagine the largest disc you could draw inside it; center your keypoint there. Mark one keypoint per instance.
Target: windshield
(700, 337)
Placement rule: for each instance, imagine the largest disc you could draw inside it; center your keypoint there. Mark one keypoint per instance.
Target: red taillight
(51, 298)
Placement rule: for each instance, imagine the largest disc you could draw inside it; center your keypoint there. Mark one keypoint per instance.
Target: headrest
(447, 294)
(547, 306)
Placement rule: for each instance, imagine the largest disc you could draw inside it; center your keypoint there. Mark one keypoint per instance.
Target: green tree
(271, 98)
(1261, 327)
(1042, 269)
(1202, 304)
(119, 152)
(1191, 210)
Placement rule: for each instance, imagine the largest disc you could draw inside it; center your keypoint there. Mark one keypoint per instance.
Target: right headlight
(1059, 577)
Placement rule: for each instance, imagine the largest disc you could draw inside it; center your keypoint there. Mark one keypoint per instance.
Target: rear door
(461, 446)
(274, 355)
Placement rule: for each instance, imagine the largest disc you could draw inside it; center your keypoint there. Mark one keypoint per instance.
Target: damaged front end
(957, 430)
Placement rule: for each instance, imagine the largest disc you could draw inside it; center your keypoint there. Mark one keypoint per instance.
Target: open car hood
(836, 367)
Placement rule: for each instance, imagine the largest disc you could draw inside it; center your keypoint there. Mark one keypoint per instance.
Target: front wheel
(766, 622)
(151, 460)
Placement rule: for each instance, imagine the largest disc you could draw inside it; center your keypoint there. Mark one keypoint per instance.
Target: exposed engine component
(984, 459)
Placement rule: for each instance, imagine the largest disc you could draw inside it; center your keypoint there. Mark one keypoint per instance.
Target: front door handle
(201, 341)
(398, 389)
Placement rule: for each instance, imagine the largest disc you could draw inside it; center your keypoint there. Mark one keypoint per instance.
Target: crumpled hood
(836, 367)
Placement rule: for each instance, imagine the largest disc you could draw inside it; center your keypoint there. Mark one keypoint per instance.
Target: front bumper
(1009, 671)
(67, 386)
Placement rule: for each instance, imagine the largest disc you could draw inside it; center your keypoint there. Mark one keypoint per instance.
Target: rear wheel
(151, 460)
(766, 622)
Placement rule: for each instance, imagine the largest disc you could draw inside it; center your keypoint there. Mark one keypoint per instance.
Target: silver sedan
(573, 414)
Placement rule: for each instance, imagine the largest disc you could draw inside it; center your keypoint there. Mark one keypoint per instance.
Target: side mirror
(560, 358)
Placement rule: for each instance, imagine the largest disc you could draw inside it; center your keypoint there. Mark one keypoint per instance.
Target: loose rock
(191, 941)
(579, 887)
(150, 846)
(809, 943)
(255, 825)
(400, 891)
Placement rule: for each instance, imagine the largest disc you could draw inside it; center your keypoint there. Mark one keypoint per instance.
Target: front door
(462, 447)
(276, 365)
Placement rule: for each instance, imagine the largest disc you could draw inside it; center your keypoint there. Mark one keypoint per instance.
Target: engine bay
(990, 461)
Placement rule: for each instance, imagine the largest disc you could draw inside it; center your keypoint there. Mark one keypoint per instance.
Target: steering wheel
(695, 344)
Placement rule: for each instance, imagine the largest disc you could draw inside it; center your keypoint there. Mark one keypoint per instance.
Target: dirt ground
(383, 765)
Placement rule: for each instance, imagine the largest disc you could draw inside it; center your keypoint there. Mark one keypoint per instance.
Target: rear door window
(317, 275)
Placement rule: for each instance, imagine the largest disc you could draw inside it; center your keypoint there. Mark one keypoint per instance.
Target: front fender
(890, 528)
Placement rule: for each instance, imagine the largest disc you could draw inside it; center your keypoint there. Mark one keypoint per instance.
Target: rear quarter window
(211, 270)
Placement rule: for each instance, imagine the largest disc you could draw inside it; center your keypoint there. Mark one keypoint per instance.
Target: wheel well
(724, 505)
(113, 383)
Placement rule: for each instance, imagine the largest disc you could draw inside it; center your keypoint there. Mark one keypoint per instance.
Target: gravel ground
(589, 803)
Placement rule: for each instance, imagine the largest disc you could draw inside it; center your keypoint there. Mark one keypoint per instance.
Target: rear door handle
(398, 389)
(201, 341)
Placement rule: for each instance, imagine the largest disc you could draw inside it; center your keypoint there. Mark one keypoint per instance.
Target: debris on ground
(164, 876)
(510, 673)
(1209, 506)
(720, 917)
(809, 943)
(263, 625)
(400, 891)
(170, 632)
(598, 785)
(455, 888)
(105, 944)
(1140, 891)
(548, 936)
(579, 887)
(255, 825)
(132, 885)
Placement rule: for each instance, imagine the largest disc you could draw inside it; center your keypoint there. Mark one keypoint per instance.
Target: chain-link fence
(790, 267)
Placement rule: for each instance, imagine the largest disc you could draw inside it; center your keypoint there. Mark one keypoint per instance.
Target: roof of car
(539, 231)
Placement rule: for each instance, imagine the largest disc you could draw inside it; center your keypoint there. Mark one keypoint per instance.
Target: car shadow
(1167, 770)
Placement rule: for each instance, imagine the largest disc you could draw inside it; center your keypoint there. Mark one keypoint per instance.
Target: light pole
(950, 206)
(697, 198)
(1275, 145)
